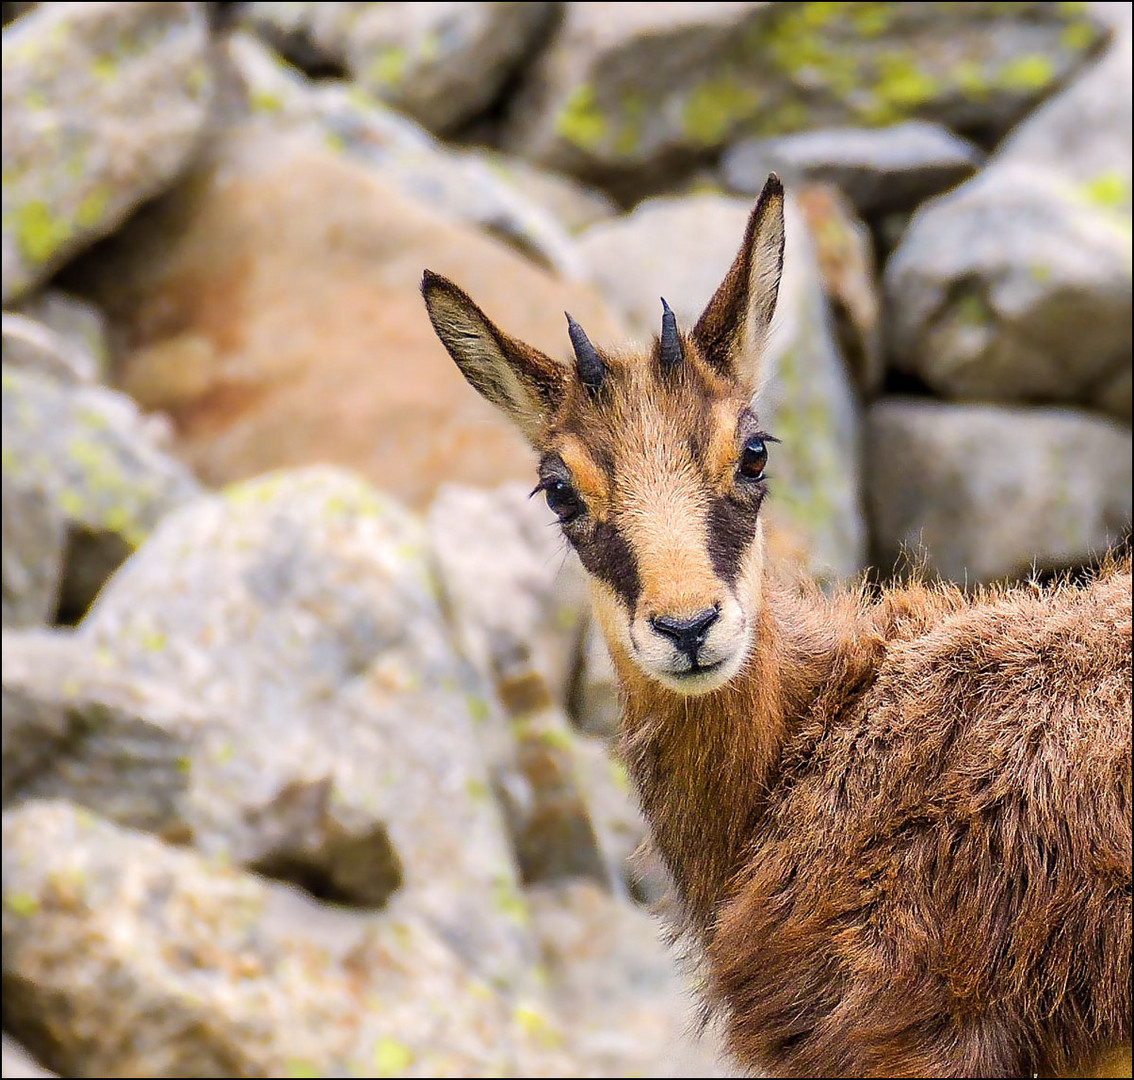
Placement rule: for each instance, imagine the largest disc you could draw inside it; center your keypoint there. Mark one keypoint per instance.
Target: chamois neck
(704, 765)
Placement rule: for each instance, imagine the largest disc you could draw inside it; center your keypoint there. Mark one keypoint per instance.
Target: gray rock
(594, 706)
(878, 169)
(31, 555)
(31, 346)
(300, 610)
(87, 449)
(17, 1062)
(463, 186)
(117, 93)
(125, 957)
(79, 322)
(1016, 286)
(626, 90)
(981, 492)
(439, 63)
(78, 729)
(807, 400)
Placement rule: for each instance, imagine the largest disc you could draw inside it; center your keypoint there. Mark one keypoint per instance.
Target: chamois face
(653, 461)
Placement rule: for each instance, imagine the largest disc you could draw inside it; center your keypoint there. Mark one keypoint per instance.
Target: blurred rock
(31, 346)
(87, 450)
(31, 555)
(272, 306)
(103, 103)
(1016, 286)
(593, 704)
(628, 1011)
(464, 186)
(844, 252)
(17, 1062)
(878, 169)
(439, 63)
(74, 728)
(625, 91)
(513, 589)
(982, 492)
(807, 399)
(300, 610)
(77, 321)
(124, 957)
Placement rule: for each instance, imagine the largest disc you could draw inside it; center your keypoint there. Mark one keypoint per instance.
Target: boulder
(593, 705)
(34, 532)
(467, 186)
(1016, 286)
(880, 170)
(78, 729)
(91, 456)
(625, 93)
(981, 492)
(79, 323)
(217, 973)
(807, 399)
(103, 104)
(272, 306)
(442, 64)
(31, 346)
(300, 610)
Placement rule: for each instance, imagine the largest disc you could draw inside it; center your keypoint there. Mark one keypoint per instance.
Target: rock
(514, 591)
(117, 95)
(78, 729)
(844, 253)
(31, 555)
(442, 64)
(807, 400)
(464, 186)
(272, 306)
(984, 492)
(593, 704)
(16, 1060)
(880, 170)
(299, 610)
(218, 973)
(78, 322)
(628, 1011)
(624, 94)
(1016, 286)
(31, 346)
(87, 450)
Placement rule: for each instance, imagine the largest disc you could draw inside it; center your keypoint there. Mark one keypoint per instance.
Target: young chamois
(899, 827)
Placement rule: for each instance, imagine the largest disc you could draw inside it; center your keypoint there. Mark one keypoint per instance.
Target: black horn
(671, 351)
(588, 363)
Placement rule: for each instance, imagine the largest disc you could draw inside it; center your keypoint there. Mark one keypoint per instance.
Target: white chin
(699, 681)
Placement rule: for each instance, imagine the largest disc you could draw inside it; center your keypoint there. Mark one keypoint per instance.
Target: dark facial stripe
(606, 554)
(732, 527)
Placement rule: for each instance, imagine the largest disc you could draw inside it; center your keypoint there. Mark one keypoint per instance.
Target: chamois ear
(516, 378)
(733, 329)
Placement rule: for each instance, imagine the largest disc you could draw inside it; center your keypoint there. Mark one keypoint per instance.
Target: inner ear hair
(732, 331)
(520, 380)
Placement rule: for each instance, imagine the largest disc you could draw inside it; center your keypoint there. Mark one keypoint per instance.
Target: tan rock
(290, 277)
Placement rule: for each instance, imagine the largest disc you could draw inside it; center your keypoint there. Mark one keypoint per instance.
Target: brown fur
(899, 827)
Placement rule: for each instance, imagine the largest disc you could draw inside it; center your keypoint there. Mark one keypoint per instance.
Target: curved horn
(671, 351)
(588, 363)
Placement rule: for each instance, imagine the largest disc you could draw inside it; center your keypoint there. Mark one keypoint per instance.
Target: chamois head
(654, 461)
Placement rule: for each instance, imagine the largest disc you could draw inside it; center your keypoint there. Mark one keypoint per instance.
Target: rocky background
(306, 732)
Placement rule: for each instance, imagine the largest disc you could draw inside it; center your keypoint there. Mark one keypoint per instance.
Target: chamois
(898, 825)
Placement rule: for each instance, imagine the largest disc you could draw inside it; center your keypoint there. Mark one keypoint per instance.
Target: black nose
(687, 634)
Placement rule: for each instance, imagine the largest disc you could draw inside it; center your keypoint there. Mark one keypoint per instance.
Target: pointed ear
(733, 329)
(521, 380)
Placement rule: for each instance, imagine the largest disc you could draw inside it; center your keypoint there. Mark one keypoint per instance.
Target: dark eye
(753, 458)
(563, 500)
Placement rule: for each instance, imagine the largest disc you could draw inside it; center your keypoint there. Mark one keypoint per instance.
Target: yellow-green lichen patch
(580, 122)
(301, 1069)
(715, 108)
(265, 103)
(477, 790)
(391, 1058)
(104, 67)
(39, 232)
(1108, 190)
(536, 1026)
(1027, 73)
(508, 902)
(20, 904)
(388, 67)
(477, 707)
(92, 209)
(901, 86)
